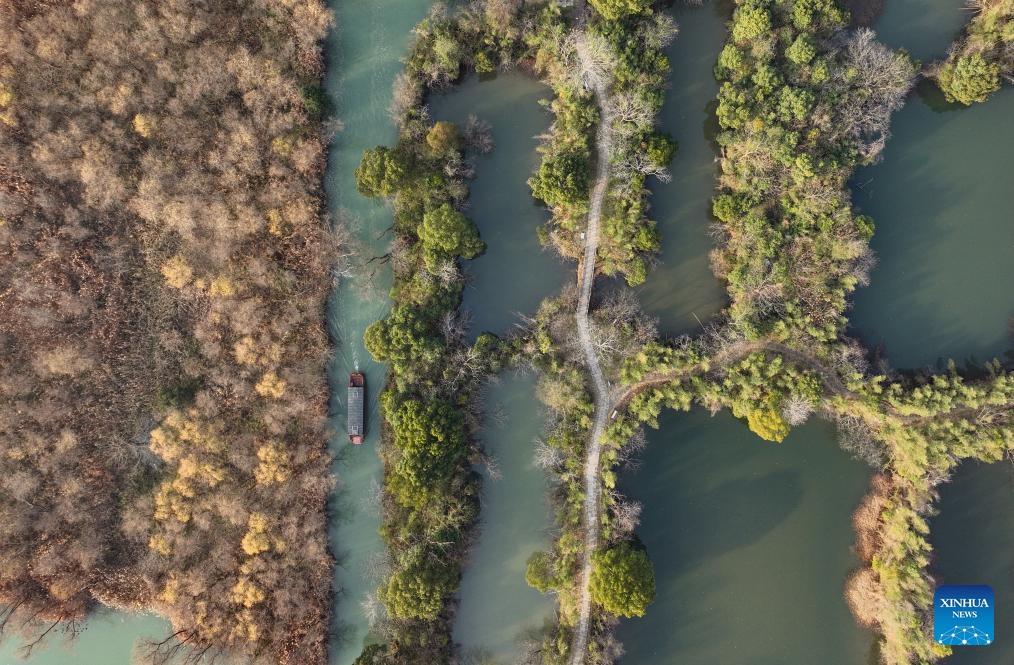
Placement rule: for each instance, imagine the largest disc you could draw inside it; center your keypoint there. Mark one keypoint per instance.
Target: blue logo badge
(963, 615)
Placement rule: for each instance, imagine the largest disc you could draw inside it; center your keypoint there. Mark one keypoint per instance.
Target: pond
(496, 606)
(940, 200)
(974, 541)
(751, 543)
(515, 273)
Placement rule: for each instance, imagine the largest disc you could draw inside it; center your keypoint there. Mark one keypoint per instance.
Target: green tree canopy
(446, 233)
(750, 22)
(969, 79)
(660, 147)
(379, 173)
(562, 179)
(443, 138)
(430, 440)
(623, 581)
(404, 335)
(540, 573)
(613, 10)
(417, 591)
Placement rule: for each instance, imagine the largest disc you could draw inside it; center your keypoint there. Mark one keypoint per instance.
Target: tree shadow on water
(732, 515)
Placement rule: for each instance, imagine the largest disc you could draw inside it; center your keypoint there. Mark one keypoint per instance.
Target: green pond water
(512, 277)
(497, 607)
(515, 273)
(940, 200)
(364, 53)
(681, 290)
(751, 543)
(973, 537)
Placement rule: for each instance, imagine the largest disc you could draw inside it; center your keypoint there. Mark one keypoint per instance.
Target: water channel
(681, 291)
(496, 605)
(364, 53)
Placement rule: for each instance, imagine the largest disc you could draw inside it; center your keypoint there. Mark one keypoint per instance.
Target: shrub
(443, 138)
(613, 10)
(768, 423)
(623, 581)
(969, 79)
(562, 179)
(379, 173)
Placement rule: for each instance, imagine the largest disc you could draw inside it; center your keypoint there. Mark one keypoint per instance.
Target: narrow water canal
(497, 607)
(751, 543)
(512, 277)
(364, 53)
(681, 291)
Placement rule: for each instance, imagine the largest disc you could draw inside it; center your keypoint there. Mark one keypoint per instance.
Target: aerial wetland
(751, 542)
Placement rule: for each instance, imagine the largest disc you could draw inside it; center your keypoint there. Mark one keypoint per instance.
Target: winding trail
(603, 404)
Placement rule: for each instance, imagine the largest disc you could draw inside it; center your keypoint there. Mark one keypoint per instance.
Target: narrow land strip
(593, 80)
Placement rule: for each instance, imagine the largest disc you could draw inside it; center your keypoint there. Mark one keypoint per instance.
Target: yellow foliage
(271, 385)
(282, 145)
(6, 95)
(222, 286)
(273, 465)
(171, 590)
(768, 424)
(248, 352)
(247, 593)
(177, 272)
(169, 504)
(206, 472)
(160, 545)
(144, 124)
(179, 434)
(276, 225)
(256, 539)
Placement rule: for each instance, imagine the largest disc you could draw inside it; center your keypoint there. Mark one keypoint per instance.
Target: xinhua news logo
(963, 615)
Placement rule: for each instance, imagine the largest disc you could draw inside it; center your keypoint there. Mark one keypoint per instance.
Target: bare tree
(478, 134)
(870, 86)
(546, 456)
(797, 410)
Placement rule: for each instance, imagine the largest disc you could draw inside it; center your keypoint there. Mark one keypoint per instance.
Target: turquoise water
(363, 58)
(751, 543)
(109, 638)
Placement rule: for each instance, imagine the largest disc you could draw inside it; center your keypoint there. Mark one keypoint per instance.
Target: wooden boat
(356, 404)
